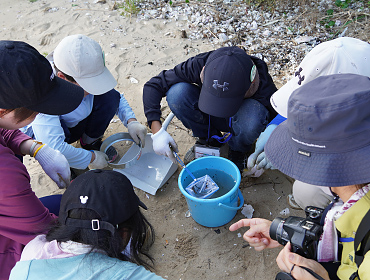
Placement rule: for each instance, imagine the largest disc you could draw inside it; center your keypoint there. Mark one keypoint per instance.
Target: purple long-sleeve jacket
(22, 215)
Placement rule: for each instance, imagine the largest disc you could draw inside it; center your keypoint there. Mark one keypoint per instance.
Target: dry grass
(347, 16)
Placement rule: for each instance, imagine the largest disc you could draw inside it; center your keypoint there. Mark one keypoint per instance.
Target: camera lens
(276, 229)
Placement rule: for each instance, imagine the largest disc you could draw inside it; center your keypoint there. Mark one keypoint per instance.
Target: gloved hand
(137, 131)
(163, 144)
(263, 162)
(257, 158)
(100, 161)
(55, 165)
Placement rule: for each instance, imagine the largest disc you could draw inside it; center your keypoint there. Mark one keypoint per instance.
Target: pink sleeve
(22, 215)
(13, 139)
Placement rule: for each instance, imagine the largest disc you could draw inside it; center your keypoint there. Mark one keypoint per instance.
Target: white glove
(137, 131)
(163, 144)
(100, 161)
(55, 165)
(254, 172)
(258, 158)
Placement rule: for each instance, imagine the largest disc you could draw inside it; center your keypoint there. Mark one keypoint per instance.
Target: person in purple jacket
(27, 86)
(221, 91)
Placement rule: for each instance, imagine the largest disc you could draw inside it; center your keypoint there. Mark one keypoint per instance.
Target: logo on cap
(300, 78)
(217, 85)
(84, 199)
(253, 73)
(307, 154)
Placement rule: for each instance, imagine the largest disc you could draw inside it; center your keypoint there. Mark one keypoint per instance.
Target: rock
(133, 80)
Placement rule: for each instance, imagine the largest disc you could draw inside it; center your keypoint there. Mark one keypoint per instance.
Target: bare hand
(258, 235)
(286, 259)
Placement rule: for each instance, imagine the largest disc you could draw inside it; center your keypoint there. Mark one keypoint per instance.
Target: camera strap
(362, 237)
(313, 273)
(322, 221)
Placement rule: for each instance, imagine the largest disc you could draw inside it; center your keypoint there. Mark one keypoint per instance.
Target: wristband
(33, 146)
(38, 149)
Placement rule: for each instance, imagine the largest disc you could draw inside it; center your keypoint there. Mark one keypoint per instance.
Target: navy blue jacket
(189, 71)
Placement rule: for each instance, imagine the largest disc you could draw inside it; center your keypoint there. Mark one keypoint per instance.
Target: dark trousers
(104, 108)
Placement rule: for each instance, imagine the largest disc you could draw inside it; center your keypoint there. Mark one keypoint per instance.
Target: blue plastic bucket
(216, 210)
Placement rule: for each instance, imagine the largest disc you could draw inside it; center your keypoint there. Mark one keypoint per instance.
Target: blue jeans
(104, 108)
(247, 124)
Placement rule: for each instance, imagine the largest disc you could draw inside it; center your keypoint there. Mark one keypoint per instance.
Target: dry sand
(183, 249)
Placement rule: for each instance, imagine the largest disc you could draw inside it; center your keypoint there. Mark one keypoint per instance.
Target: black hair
(20, 114)
(360, 186)
(68, 77)
(136, 228)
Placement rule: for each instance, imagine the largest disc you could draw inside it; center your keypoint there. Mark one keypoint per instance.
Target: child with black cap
(100, 234)
(225, 90)
(27, 86)
(325, 142)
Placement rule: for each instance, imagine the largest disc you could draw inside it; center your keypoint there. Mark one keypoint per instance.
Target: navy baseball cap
(325, 140)
(27, 80)
(228, 74)
(109, 193)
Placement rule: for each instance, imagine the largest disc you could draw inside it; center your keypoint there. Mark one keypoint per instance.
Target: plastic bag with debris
(202, 187)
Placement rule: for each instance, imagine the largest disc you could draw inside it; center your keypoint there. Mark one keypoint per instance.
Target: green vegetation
(273, 5)
(129, 7)
(344, 15)
(342, 4)
(328, 22)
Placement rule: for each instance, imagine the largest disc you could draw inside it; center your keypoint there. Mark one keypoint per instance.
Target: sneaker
(111, 152)
(73, 174)
(292, 203)
(238, 158)
(211, 142)
(92, 146)
(189, 155)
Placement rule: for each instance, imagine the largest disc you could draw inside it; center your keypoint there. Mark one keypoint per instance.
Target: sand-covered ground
(137, 48)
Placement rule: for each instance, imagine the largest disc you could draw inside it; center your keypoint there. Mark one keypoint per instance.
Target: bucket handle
(234, 208)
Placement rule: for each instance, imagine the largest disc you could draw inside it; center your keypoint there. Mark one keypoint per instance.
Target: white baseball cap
(83, 59)
(338, 56)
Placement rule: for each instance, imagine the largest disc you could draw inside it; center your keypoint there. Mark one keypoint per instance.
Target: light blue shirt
(48, 129)
(82, 267)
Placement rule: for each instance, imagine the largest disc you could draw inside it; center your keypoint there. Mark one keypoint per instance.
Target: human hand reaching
(137, 131)
(258, 235)
(293, 263)
(163, 144)
(55, 165)
(258, 158)
(100, 161)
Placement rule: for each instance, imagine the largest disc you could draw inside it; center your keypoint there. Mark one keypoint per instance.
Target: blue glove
(263, 162)
(258, 157)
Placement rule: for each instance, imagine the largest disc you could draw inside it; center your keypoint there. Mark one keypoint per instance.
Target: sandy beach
(136, 50)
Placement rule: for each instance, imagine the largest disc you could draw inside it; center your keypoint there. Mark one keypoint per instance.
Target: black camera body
(303, 233)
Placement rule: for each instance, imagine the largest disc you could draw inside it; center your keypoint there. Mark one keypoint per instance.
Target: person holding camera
(324, 142)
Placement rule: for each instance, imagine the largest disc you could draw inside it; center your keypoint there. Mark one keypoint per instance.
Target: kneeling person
(80, 60)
